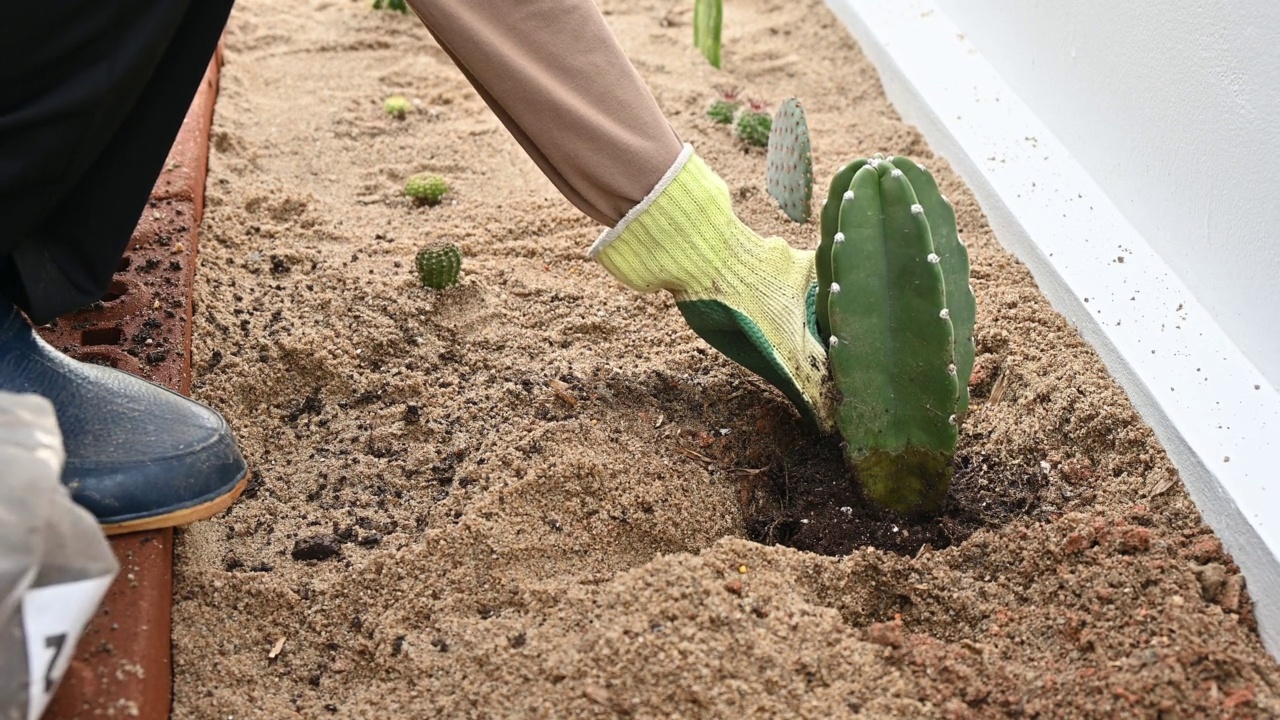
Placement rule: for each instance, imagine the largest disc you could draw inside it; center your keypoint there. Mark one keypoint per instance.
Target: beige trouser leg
(556, 77)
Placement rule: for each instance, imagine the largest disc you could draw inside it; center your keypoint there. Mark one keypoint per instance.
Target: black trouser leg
(92, 95)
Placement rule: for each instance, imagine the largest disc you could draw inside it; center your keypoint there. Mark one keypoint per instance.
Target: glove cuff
(668, 178)
(680, 237)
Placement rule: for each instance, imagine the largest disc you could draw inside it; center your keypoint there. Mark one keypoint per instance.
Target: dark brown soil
(807, 501)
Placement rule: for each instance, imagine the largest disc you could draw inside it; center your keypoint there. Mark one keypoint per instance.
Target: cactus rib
(829, 220)
(954, 257)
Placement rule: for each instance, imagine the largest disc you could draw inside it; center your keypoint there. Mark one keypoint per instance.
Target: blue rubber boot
(139, 457)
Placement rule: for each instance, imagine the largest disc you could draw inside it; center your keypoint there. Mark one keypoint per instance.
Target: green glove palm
(749, 297)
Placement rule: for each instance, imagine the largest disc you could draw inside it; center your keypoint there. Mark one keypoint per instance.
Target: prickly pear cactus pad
(789, 164)
(438, 265)
(892, 342)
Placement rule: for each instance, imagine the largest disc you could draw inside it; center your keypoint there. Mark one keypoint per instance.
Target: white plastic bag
(55, 564)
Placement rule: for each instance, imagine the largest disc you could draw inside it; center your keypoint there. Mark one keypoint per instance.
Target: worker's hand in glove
(751, 298)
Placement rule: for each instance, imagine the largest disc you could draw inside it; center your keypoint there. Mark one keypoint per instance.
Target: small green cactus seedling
(896, 309)
(707, 19)
(754, 124)
(391, 5)
(426, 189)
(438, 265)
(726, 107)
(397, 106)
(722, 111)
(789, 164)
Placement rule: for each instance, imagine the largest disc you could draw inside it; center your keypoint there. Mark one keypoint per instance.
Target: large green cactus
(895, 307)
(954, 261)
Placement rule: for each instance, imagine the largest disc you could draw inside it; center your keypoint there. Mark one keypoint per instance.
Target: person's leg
(92, 96)
(557, 78)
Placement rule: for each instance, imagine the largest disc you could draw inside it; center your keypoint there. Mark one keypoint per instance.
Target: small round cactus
(397, 106)
(438, 265)
(426, 189)
(722, 111)
(754, 126)
(725, 108)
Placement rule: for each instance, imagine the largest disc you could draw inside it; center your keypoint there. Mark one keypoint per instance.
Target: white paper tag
(53, 618)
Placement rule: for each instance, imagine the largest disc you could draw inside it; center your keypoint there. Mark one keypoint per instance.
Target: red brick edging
(143, 325)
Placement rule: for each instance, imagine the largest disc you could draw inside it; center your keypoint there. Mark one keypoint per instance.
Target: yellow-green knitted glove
(751, 298)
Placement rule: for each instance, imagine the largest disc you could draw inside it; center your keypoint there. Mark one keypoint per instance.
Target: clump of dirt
(538, 494)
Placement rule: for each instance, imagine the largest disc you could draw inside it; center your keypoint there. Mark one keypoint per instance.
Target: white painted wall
(1173, 106)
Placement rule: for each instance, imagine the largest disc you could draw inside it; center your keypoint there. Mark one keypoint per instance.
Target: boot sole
(181, 517)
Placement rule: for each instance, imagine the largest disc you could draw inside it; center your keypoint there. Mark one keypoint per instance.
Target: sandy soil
(659, 538)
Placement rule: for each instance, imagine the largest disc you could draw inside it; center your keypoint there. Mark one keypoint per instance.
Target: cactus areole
(895, 308)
